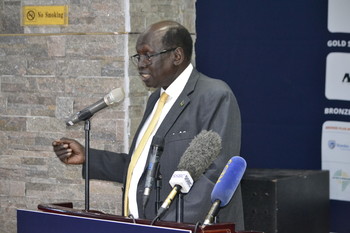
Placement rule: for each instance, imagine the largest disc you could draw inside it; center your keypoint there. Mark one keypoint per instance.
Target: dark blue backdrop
(273, 55)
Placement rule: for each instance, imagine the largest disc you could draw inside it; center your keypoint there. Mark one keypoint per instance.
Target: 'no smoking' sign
(44, 15)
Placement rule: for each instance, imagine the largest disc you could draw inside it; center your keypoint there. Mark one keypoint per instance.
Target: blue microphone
(226, 186)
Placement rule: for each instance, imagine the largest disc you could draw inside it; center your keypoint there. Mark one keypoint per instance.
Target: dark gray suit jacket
(204, 104)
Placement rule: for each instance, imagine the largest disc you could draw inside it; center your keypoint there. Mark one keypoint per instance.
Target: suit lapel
(180, 104)
(150, 104)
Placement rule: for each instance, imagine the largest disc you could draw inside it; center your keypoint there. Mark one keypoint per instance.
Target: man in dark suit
(195, 103)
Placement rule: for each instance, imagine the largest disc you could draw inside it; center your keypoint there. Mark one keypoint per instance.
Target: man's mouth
(145, 77)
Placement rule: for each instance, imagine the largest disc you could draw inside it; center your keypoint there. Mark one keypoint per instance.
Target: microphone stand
(87, 128)
(180, 208)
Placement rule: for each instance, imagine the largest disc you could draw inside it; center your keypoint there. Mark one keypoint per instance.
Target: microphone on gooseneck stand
(154, 154)
(226, 186)
(202, 151)
(115, 96)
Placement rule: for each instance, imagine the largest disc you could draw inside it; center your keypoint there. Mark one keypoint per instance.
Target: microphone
(154, 154)
(226, 186)
(202, 151)
(115, 96)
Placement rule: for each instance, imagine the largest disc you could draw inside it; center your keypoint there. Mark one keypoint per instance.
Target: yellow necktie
(140, 148)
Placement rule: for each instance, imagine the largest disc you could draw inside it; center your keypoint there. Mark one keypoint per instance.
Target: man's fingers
(60, 152)
(64, 156)
(59, 146)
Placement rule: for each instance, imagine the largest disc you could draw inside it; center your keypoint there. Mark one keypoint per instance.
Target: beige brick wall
(48, 73)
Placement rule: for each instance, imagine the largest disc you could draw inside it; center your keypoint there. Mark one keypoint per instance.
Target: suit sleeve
(106, 165)
(219, 112)
(226, 121)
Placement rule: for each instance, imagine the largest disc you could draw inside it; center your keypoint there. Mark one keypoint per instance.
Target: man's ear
(179, 56)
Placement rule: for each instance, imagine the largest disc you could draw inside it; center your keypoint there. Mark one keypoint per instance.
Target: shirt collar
(179, 83)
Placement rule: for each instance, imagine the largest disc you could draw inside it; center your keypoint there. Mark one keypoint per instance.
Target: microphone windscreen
(229, 180)
(114, 96)
(202, 151)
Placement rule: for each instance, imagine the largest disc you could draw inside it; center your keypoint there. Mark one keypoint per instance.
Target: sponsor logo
(331, 144)
(338, 16)
(346, 78)
(341, 178)
(338, 76)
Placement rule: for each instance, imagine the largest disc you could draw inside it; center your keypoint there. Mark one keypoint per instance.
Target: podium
(58, 218)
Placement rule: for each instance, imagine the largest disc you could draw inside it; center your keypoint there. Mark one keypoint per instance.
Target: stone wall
(48, 73)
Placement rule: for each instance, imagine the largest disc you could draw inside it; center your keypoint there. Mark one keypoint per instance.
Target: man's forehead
(151, 38)
(154, 32)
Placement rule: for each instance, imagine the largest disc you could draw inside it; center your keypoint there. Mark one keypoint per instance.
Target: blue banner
(288, 63)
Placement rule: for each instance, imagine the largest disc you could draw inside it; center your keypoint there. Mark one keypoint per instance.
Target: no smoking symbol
(31, 15)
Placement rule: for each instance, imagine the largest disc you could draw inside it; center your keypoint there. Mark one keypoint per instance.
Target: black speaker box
(286, 201)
